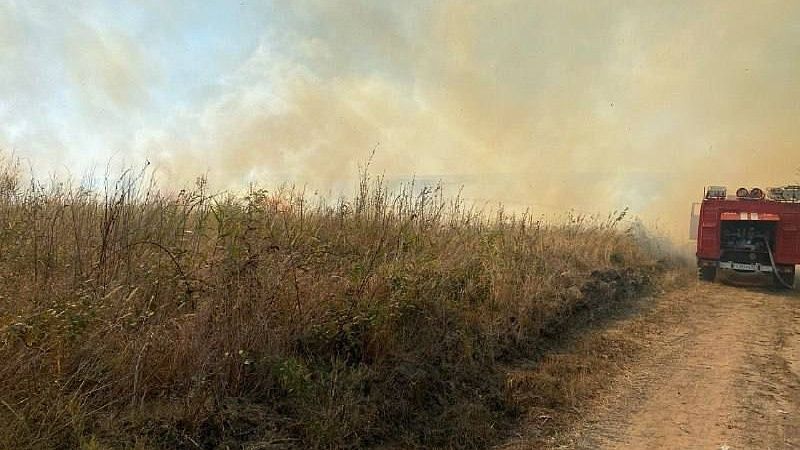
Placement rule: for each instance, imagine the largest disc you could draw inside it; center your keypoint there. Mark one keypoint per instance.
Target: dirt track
(722, 372)
(717, 367)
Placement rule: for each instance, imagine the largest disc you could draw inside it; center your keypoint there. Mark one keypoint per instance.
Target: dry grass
(135, 318)
(557, 391)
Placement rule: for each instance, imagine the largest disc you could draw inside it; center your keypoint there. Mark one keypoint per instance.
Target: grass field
(132, 317)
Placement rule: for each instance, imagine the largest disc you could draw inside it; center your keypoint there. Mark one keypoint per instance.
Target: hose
(775, 268)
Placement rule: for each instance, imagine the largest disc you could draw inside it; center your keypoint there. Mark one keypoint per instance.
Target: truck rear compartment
(747, 242)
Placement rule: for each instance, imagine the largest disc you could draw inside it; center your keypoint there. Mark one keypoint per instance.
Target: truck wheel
(707, 273)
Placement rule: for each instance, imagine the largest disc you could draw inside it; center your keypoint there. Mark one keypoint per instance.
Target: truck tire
(707, 273)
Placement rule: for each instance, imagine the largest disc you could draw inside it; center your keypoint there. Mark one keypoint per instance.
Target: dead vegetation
(135, 318)
(555, 390)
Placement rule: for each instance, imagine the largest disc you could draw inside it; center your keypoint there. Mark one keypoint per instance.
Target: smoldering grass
(136, 317)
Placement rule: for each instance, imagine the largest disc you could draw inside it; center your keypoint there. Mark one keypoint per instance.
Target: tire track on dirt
(705, 366)
(720, 378)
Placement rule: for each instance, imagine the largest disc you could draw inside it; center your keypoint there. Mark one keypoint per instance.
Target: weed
(134, 317)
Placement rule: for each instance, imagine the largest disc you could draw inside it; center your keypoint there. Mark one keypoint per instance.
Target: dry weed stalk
(134, 317)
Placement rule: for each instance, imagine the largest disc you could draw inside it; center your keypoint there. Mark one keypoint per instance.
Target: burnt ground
(703, 366)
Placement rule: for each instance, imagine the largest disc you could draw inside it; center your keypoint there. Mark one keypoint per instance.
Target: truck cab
(752, 231)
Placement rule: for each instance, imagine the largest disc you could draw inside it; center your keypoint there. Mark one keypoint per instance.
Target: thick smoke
(557, 105)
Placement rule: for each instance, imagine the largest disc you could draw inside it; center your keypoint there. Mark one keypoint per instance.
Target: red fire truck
(753, 231)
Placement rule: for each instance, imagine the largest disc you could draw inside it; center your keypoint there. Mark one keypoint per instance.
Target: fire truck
(752, 231)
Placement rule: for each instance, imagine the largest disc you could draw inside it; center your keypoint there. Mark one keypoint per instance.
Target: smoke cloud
(554, 105)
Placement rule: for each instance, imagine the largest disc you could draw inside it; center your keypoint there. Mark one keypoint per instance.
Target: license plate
(748, 267)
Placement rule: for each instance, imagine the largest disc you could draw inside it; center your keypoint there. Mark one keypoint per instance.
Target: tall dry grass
(135, 318)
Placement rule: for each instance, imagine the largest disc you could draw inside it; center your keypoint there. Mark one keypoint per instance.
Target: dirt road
(722, 371)
(717, 367)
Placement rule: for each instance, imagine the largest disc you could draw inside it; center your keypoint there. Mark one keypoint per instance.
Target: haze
(554, 105)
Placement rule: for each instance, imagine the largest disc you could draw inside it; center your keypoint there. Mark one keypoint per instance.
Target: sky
(552, 105)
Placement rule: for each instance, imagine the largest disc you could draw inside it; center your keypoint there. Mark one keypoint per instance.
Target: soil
(705, 366)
